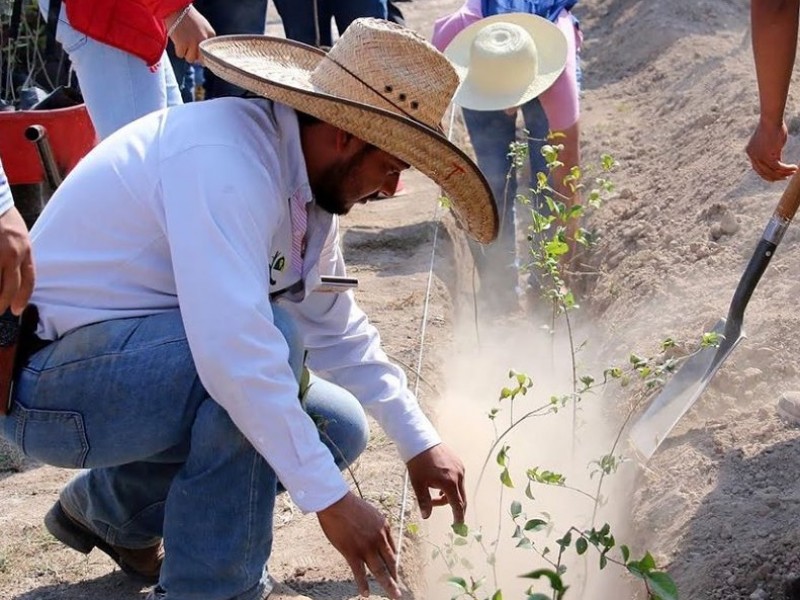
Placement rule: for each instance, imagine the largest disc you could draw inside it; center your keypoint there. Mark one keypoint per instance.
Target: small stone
(789, 407)
(759, 594)
(728, 224)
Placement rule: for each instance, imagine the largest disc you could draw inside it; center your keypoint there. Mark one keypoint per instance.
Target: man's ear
(344, 140)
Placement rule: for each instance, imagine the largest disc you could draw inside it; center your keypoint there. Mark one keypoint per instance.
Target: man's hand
(16, 263)
(361, 534)
(440, 469)
(764, 150)
(193, 29)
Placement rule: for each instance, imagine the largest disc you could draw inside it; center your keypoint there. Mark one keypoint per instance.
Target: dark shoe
(143, 564)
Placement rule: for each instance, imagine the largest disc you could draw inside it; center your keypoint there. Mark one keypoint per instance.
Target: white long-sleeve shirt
(188, 208)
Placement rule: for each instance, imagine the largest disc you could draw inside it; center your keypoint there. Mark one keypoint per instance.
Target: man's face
(357, 179)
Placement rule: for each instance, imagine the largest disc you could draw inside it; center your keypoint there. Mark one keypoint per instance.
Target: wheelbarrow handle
(37, 134)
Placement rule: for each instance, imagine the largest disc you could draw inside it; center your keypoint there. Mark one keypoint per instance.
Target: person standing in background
(226, 18)
(309, 21)
(492, 130)
(117, 49)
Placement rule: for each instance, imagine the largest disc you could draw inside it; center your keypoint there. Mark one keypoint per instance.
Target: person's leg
(394, 14)
(299, 21)
(491, 133)
(347, 11)
(117, 87)
(340, 419)
(164, 457)
(537, 130)
(184, 75)
(226, 17)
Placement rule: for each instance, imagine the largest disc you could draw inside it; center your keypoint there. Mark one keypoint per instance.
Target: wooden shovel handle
(790, 200)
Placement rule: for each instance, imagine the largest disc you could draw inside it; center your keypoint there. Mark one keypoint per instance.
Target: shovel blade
(680, 393)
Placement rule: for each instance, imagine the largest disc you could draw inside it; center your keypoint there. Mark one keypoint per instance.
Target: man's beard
(331, 189)
(328, 193)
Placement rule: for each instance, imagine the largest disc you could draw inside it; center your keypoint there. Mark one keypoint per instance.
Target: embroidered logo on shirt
(278, 263)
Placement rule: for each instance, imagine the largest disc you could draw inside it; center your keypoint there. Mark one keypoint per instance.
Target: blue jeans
(226, 17)
(122, 399)
(491, 133)
(117, 87)
(298, 17)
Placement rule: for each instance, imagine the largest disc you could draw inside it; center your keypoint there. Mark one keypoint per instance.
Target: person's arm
(345, 349)
(185, 25)
(16, 261)
(187, 28)
(774, 35)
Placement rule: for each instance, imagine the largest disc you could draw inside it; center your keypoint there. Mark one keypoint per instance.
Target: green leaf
(502, 456)
(603, 561)
(626, 553)
(460, 541)
(412, 528)
(498, 595)
(637, 361)
(528, 491)
(538, 597)
(516, 508)
(458, 582)
(555, 579)
(581, 545)
(535, 525)
(556, 248)
(505, 477)
(565, 541)
(460, 529)
(662, 586)
(711, 339)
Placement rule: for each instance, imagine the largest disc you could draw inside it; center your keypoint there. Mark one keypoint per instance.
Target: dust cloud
(565, 442)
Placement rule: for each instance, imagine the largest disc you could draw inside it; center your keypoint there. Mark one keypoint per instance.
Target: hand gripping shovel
(689, 382)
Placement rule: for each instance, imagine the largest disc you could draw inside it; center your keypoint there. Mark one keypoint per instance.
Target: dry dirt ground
(669, 91)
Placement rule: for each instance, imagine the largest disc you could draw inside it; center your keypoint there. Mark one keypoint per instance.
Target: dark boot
(143, 564)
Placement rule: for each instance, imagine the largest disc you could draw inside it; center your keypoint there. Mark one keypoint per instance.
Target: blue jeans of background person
(117, 87)
(122, 398)
(226, 17)
(299, 24)
(491, 133)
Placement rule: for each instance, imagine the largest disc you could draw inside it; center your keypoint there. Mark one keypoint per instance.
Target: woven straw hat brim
(551, 49)
(280, 70)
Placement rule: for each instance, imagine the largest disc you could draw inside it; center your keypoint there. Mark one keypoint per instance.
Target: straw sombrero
(380, 82)
(506, 60)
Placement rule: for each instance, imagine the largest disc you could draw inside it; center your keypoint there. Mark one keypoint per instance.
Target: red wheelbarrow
(42, 146)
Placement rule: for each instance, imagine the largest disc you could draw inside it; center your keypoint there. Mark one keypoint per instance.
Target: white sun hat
(506, 60)
(381, 82)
